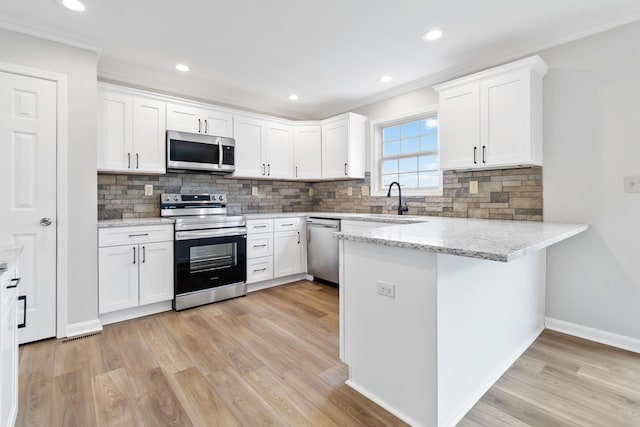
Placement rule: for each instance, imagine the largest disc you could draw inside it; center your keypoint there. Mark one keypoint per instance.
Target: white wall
(591, 141)
(80, 68)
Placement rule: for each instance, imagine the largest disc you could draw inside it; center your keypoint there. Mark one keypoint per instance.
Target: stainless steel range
(210, 249)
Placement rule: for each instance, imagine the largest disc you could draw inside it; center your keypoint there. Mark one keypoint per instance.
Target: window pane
(429, 179)
(429, 125)
(410, 129)
(391, 133)
(390, 148)
(411, 145)
(429, 142)
(428, 163)
(390, 166)
(409, 164)
(409, 180)
(388, 179)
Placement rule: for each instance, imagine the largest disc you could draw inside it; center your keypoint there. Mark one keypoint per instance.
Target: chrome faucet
(401, 208)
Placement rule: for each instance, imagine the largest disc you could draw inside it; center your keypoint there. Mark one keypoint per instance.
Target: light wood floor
(271, 358)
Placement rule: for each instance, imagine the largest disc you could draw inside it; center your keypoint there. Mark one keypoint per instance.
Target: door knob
(45, 222)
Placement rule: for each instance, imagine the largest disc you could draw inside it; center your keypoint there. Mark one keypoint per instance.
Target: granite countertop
(476, 238)
(395, 219)
(132, 222)
(8, 255)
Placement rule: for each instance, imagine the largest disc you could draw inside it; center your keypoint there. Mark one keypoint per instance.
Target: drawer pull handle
(16, 282)
(259, 226)
(259, 270)
(288, 225)
(260, 246)
(139, 235)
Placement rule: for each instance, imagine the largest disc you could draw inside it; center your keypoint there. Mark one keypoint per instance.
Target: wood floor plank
(167, 351)
(158, 404)
(103, 352)
(36, 403)
(74, 398)
(113, 400)
(136, 356)
(204, 406)
(70, 356)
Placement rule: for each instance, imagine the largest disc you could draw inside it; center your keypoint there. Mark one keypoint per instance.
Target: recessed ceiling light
(74, 5)
(182, 67)
(385, 79)
(293, 97)
(432, 35)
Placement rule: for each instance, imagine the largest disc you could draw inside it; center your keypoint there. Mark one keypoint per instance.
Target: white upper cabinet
(279, 150)
(131, 133)
(250, 135)
(190, 118)
(343, 146)
(307, 148)
(493, 119)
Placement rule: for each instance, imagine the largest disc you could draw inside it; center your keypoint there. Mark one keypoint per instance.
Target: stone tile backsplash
(511, 194)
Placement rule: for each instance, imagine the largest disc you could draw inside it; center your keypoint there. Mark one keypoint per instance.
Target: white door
(118, 278)
(287, 250)
(149, 126)
(28, 181)
(279, 150)
(156, 272)
(335, 149)
(250, 142)
(459, 117)
(307, 142)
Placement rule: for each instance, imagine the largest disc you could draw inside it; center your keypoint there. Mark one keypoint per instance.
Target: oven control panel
(193, 198)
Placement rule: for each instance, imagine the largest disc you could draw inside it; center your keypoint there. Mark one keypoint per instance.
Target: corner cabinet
(131, 133)
(307, 149)
(135, 267)
(343, 146)
(493, 119)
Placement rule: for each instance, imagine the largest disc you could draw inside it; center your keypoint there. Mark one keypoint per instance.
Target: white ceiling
(254, 53)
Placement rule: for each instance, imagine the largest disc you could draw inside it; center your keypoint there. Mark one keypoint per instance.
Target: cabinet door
(279, 150)
(217, 123)
(505, 118)
(250, 142)
(459, 116)
(184, 118)
(156, 272)
(335, 149)
(8, 366)
(114, 131)
(117, 278)
(287, 253)
(149, 137)
(307, 141)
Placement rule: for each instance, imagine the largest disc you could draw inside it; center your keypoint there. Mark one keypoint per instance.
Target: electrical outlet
(148, 189)
(349, 191)
(386, 289)
(254, 191)
(310, 191)
(632, 184)
(473, 187)
(365, 190)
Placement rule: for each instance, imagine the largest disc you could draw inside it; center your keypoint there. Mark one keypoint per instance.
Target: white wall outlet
(349, 191)
(310, 191)
(148, 189)
(365, 190)
(632, 184)
(473, 187)
(254, 191)
(387, 289)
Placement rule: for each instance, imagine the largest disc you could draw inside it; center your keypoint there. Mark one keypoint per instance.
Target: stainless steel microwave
(198, 152)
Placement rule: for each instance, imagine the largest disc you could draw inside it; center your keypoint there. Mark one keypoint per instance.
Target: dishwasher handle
(314, 224)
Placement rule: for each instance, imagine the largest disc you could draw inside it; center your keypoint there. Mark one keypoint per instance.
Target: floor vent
(79, 337)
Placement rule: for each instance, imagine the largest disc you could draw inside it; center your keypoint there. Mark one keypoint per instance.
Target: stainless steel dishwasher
(322, 248)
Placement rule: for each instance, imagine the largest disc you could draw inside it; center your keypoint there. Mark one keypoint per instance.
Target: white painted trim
(62, 166)
(375, 147)
(374, 399)
(82, 328)
(592, 334)
(491, 380)
(258, 286)
(135, 312)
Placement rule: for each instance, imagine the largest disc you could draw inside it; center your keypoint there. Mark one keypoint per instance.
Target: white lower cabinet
(8, 350)
(134, 274)
(259, 269)
(288, 255)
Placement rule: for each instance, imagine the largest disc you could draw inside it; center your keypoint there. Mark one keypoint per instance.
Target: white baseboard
(252, 287)
(603, 337)
(132, 313)
(374, 399)
(82, 328)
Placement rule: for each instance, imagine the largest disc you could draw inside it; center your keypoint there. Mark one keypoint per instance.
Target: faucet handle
(404, 208)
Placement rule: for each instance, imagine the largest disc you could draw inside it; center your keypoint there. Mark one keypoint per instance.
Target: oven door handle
(203, 234)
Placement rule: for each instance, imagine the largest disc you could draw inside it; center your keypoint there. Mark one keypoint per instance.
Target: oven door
(209, 259)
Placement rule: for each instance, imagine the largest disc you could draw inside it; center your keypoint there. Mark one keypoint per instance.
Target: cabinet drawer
(259, 226)
(133, 235)
(259, 269)
(259, 245)
(287, 224)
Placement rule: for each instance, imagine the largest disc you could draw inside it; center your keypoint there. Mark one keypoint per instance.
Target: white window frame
(375, 131)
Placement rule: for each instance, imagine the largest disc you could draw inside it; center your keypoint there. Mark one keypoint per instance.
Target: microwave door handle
(220, 148)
